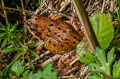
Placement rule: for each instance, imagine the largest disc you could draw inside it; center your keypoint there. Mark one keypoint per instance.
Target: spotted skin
(59, 36)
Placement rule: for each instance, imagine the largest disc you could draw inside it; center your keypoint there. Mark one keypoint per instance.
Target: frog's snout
(30, 26)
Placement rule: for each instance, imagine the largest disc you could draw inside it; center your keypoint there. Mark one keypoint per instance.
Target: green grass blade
(34, 53)
(4, 43)
(7, 50)
(35, 44)
(30, 63)
(2, 34)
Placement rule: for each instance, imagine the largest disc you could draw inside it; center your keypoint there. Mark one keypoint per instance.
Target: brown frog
(59, 36)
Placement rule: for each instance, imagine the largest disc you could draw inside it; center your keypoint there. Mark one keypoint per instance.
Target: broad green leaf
(103, 29)
(116, 70)
(95, 77)
(7, 50)
(35, 44)
(18, 68)
(85, 55)
(31, 76)
(48, 73)
(2, 34)
(103, 63)
(86, 58)
(38, 75)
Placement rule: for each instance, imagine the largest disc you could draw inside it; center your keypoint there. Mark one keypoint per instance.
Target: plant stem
(18, 56)
(4, 10)
(89, 33)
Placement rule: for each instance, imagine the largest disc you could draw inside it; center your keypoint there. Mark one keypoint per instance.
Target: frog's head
(32, 25)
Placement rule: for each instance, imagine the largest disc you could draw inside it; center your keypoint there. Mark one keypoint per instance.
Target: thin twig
(103, 6)
(5, 13)
(16, 9)
(23, 10)
(39, 8)
(52, 59)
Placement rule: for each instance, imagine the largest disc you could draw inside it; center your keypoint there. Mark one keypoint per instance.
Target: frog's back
(59, 36)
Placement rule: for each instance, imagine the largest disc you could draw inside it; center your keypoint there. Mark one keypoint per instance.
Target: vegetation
(103, 63)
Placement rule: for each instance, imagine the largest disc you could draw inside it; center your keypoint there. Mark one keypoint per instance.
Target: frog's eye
(32, 29)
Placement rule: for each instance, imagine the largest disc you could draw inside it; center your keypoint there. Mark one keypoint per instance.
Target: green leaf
(34, 53)
(86, 58)
(18, 68)
(31, 76)
(38, 75)
(4, 43)
(7, 50)
(35, 44)
(13, 27)
(79, 48)
(3, 28)
(111, 56)
(48, 74)
(116, 70)
(30, 62)
(2, 34)
(95, 77)
(8, 27)
(104, 64)
(85, 55)
(101, 23)
(25, 74)
(119, 8)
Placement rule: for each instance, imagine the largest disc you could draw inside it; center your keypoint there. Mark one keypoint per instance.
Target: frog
(58, 35)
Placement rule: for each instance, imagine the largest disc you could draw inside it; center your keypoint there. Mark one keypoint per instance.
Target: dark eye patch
(49, 41)
(65, 39)
(43, 29)
(64, 31)
(59, 35)
(66, 42)
(54, 45)
(59, 28)
(51, 25)
(61, 45)
(55, 33)
(49, 30)
(74, 37)
(47, 35)
(78, 40)
(58, 41)
(74, 42)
